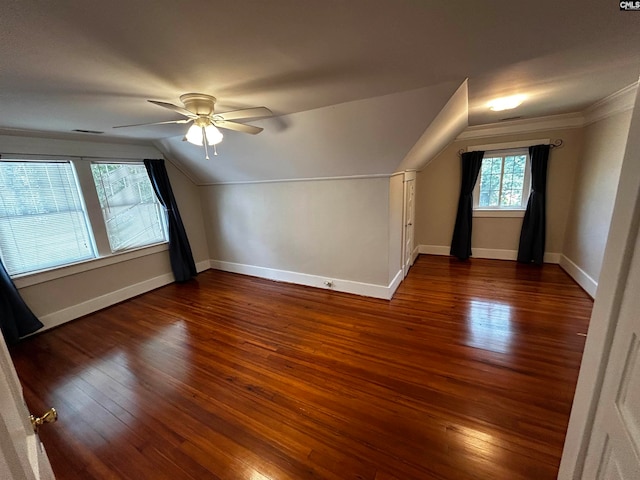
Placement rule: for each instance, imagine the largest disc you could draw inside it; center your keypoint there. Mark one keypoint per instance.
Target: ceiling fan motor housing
(198, 103)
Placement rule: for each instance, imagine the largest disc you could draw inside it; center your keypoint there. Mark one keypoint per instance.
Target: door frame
(408, 175)
(612, 283)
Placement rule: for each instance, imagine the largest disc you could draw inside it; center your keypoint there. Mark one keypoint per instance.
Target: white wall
(595, 185)
(334, 229)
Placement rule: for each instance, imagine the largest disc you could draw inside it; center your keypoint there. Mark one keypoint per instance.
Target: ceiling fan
(199, 109)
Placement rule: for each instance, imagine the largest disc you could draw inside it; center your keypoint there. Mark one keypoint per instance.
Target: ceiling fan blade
(246, 113)
(240, 127)
(175, 108)
(154, 123)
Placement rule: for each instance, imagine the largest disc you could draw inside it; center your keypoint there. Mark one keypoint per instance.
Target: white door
(22, 456)
(614, 448)
(409, 219)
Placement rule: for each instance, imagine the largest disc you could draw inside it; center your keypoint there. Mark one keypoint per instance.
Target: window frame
(96, 225)
(504, 211)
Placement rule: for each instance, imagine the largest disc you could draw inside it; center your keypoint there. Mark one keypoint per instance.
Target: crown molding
(529, 125)
(293, 180)
(73, 136)
(15, 144)
(617, 102)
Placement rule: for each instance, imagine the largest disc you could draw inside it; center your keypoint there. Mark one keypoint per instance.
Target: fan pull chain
(215, 151)
(204, 142)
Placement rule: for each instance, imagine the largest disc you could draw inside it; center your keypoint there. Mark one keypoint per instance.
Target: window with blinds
(43, 221)
(132, 214)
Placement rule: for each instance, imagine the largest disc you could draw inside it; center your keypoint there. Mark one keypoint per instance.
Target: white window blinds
(43, 223)
(131, 211)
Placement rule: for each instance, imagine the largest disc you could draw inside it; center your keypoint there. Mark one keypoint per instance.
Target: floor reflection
(490, 326)
(108, 392)
(474, 441)
(168, 350)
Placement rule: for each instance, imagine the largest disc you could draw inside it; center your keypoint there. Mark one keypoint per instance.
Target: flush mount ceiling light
(199, 109)
(506, 103)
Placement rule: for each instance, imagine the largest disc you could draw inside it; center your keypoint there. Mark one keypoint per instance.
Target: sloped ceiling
(445, 127)
(91, 65)
(362, 137)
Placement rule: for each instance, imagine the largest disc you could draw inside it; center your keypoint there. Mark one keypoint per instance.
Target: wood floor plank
(467, 373)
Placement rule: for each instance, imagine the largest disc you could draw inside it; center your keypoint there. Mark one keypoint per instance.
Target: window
(60, 211)
(43, 221)
(503, 183)
(132, 214)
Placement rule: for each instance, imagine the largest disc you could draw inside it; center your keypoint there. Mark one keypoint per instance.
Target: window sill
(34, 278)
(499, 213)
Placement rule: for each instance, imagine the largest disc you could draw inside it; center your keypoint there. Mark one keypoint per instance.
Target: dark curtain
(532, 236)
(461, 241)
(180, 254)
(17, 320)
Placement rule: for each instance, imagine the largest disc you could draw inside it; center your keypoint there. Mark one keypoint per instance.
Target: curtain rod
(555, 144)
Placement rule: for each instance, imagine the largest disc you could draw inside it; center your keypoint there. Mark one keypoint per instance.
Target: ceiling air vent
(510, 118)
(94, 132)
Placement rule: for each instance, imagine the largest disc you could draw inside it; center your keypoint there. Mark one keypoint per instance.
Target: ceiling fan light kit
(202, 133)
(199, 134)
(199, 108)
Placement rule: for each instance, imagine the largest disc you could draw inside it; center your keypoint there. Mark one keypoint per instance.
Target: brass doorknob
(50, 416)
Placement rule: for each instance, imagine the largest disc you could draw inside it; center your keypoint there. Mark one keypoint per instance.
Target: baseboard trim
(65, 315)
(581, 277)
(490, 253)
(414, 254)
(346, 286)
(103, 301)
(434, 249)
(203, 265)
(395, 283)
(55, 319)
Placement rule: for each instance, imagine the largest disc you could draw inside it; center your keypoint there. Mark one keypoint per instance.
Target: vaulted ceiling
(354, 83)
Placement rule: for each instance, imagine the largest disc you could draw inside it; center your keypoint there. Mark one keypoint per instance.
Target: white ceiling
(92, 65)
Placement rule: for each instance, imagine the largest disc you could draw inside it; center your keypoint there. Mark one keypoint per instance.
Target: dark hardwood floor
(468, 373)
